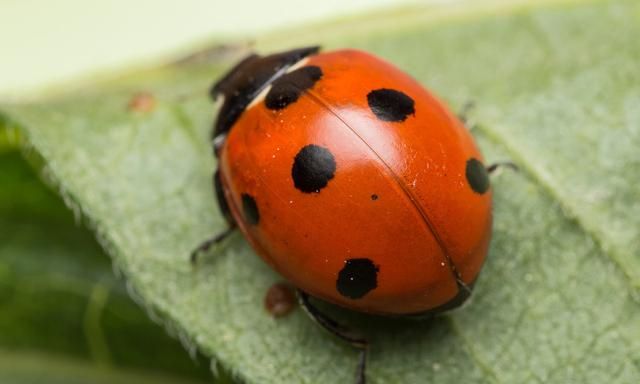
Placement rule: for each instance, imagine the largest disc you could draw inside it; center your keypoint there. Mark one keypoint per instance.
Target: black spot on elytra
(288, 88)
(357, 278)
(374, 197)
(250, 209)
(312, 169)
(390, 105)
(477, 176)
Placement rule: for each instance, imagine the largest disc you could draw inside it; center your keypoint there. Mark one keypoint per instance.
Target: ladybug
(353, 182)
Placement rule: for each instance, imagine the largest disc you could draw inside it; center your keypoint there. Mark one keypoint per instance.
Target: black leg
(226, 213)
(344, 333)
(493, 167)
(205, 245)
(464, 292)
(361, 376)
(463, 114)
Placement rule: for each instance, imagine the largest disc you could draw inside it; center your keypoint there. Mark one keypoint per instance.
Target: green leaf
(65, 317)
(557, 90)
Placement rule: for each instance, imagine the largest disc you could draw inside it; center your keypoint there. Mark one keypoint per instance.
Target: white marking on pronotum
(219, 141)
(260, 97)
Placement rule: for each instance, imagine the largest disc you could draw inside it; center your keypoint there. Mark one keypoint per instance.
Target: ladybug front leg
(344, 333)
(205, 245)
(226, 213)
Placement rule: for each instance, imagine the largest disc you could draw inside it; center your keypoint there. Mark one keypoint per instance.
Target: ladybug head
(246, 80)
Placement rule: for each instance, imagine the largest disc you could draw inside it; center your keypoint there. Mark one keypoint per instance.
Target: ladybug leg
(361, 377)
(493, 167)
(344, 333)
(464, 291)
(205, 245)
(464, 112)
(226, 212)
(463, 115)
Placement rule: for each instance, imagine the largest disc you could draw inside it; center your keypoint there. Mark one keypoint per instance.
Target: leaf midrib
(568, 211)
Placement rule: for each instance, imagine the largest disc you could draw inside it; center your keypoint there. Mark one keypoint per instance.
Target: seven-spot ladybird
(352, 181)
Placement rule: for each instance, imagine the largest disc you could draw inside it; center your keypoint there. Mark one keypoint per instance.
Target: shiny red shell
(403, 221)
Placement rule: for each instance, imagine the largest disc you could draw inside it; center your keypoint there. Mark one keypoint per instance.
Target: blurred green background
(78, 38)
(64, 316)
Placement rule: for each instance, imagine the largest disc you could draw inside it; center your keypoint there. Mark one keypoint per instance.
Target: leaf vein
(469, 348)
(568, 211)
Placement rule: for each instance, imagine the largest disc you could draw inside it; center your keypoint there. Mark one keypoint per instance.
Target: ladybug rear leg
(344, 333)
(226, 213)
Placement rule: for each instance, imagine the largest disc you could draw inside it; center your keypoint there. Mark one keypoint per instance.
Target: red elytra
(352, 181)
